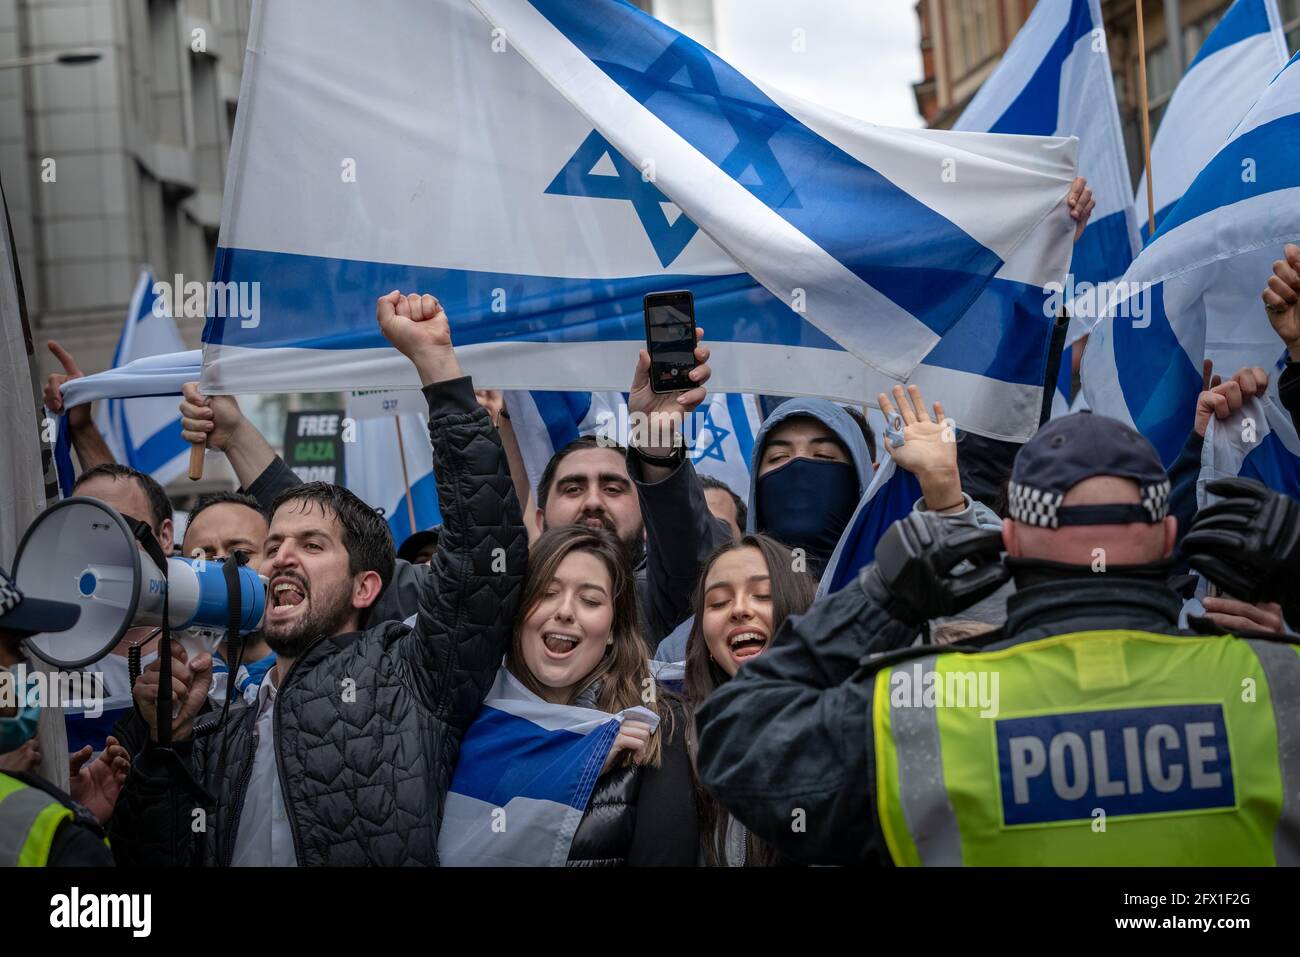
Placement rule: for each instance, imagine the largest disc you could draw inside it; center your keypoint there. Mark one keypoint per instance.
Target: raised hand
(665, 413)
(190, 684)
(213, 420)
(418, 328)
(1222, 399)
(52, 394)
(929, 447)
(1282, 299)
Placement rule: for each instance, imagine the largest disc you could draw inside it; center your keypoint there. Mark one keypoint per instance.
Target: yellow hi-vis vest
(1098, 748)
(29, 819)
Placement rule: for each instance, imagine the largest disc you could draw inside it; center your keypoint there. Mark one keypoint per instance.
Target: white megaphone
(82, 552)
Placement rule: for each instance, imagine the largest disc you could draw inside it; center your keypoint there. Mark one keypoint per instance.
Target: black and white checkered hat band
(1034, 506)
(10, 597)
(1155, 499)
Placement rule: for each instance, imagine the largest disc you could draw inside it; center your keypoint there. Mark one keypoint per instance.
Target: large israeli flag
(1055, 79)
(1231, 70)
(144, 433)
(523, 779)
(564, 159)
(1194, 292)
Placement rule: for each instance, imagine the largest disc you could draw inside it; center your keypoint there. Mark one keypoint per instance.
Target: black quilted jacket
(364, 774)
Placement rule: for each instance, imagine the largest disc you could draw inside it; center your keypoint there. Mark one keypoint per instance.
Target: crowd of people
(332, 734)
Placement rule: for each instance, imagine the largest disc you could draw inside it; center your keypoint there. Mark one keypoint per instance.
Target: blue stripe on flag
(1274, 465)
(850, 210)
(738, 407)
(893, 500)
(157, 450)
(504, 756)
(1104, 251)
(84, 730)
(1036, 110)
(1159, 381)
(1005, 335)
(424, 498)
(1221, 183)
(561, 412)
(1246, 18)
(63, 458)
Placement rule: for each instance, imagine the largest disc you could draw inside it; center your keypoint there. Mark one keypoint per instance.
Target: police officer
(1090, 730)
(40, 825)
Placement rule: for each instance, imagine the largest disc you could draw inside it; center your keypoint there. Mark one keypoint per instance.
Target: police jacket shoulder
(79, 841)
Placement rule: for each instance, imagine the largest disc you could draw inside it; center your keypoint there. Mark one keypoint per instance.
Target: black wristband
(664, 461)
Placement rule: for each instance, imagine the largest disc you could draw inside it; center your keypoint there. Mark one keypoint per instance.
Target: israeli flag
(566, 159)
(892, 494)
(545, 422)
(1258, 442)
(1194, 292)
(145, 433)
(385, 454)
(525, 774)
(158, 375)
(1231, 70)
(1055, 79)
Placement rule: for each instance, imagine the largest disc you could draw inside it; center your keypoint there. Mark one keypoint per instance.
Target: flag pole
(1146, 118)
(406, 478)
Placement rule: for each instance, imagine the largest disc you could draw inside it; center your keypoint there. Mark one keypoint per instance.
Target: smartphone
(670, 339)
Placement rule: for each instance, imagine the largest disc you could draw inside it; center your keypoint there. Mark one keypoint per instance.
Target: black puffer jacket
(642, 817)
(364, 775)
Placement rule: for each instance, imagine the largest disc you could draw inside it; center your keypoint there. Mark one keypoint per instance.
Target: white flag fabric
(146, 433)
(530, 765)
(1055, 79)
(160, 375)
(1194, 292)
(1231, 69)
(542, 208)
(373, 466)
(1258, 442)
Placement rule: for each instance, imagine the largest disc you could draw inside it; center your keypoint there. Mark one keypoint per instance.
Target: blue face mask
(21, 728)
(806, 503)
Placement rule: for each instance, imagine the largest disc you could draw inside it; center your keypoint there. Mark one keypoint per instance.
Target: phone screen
(670, 339)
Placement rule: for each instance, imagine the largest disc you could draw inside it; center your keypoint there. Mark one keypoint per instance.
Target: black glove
(1249, 543)
(912, 577)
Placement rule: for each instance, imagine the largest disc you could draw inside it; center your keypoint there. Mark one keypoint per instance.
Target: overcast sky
(862, 56)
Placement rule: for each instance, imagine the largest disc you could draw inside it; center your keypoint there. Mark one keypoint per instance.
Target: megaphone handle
(196, 462)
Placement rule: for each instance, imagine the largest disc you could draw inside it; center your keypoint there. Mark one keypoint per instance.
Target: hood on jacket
(831, 415)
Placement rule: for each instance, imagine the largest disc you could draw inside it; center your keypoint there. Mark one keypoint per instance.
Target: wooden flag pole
(1146, 118)
(401, 450)
(196, 461)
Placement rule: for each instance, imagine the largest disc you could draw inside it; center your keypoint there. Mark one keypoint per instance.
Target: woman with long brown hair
(577, 642)
(746, 591)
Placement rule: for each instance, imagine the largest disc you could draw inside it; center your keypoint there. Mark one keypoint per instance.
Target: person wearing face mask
(577, 645)
(40, 825)
(746, 591)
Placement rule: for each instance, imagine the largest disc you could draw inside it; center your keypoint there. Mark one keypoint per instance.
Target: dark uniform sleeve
(667, 819)
(786, 745)
(76, 845)
(681, 533)
(467, 603)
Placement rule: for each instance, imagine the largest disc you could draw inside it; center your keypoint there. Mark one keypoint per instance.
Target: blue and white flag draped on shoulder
(1194, 292)
(523, 779)
(144, 433)
(827, 256)
(1231, 69)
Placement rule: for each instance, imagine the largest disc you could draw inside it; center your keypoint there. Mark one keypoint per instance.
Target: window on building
(972, 33)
